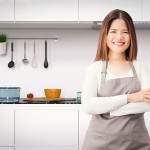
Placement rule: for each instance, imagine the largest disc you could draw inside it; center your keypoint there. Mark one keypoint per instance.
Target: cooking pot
(9, 94)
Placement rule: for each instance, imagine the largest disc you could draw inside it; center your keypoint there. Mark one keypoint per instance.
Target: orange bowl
(52, 93)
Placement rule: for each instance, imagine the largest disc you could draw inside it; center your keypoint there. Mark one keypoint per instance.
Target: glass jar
(79, 97)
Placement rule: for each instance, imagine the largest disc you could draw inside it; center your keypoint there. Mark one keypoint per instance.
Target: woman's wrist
(130, 98)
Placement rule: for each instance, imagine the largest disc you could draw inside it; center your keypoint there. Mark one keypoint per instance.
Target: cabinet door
(45, 148)
(6, 10)
(145, 10)
(46, 10)
(147, 121)
(46, 127)
(84, 121)
(96, 10)
(6, 128)
(6, 148)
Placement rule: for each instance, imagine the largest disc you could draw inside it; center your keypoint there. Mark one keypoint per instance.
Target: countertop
(24, 105)
(40, 106)
(41, 101)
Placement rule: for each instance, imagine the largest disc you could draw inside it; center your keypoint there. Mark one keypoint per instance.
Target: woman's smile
(118, 43)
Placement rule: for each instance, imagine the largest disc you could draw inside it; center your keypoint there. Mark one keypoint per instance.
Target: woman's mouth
(118, 43)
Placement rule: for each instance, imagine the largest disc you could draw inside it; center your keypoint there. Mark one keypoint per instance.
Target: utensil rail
(55, 39)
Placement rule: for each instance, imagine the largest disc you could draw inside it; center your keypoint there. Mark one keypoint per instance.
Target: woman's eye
(112, 31)
(126, 32)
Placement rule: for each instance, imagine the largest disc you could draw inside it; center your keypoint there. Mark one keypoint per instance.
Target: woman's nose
(119, 36)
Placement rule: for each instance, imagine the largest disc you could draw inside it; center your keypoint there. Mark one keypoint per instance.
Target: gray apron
(117, 133)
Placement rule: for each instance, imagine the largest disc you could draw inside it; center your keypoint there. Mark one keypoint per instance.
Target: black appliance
(65, 101)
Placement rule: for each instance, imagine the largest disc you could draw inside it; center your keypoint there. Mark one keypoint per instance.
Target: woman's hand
(141, 96)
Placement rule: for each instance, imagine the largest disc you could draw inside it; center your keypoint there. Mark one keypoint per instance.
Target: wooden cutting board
(44, 99)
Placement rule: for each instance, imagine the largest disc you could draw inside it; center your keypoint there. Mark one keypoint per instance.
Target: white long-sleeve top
(115, 105)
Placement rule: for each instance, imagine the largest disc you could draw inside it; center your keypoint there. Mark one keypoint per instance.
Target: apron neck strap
(133, 69)
(104, 71)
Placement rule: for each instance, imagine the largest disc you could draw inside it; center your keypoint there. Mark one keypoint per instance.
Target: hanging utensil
(25, 60)
(11, 63)
(45, 61)
(34, 61)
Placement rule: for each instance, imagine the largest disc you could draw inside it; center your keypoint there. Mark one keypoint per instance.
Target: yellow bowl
(52, 93)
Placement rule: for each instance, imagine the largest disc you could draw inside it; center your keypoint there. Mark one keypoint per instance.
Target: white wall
(143, 37)
(68, 59)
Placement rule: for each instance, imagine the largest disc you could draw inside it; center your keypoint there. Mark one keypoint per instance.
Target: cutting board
(45, 99)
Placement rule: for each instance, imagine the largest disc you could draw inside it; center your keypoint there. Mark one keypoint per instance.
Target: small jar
(79, 97)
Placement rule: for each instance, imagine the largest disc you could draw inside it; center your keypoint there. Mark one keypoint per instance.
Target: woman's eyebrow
(117, 29)
(125, 29)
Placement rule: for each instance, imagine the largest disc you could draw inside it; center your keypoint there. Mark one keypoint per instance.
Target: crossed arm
(119, 105)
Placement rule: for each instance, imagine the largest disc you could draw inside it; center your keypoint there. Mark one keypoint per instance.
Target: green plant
(3, 37)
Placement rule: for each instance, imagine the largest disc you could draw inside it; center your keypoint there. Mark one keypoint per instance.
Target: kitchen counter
(41, 106)
(55, 106)
(41, 101)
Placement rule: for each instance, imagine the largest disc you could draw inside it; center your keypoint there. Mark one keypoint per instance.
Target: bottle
(79, 97)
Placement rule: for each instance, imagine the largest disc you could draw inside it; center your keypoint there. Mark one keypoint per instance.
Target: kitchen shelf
(64, 25)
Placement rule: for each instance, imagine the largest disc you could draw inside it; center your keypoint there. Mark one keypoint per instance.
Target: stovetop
(65, 101)
(30, 101)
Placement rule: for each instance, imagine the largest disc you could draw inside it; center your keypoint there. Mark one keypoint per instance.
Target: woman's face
(118, 38)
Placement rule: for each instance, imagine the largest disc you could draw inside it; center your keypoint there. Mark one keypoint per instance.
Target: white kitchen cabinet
(6, 148)
(96, 10)
(45, 148)
(46, 128)
(6, 10)
(147, 121)
(46, 10)
(145, 10)
(6, 128)
(84, 121)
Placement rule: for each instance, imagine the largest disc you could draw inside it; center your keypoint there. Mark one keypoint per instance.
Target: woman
(116, 90)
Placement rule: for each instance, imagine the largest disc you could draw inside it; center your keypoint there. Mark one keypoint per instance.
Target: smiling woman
(116, 89)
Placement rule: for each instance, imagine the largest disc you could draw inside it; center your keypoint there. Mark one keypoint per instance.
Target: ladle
(45, 61)
(25, 60)
(11, 63)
